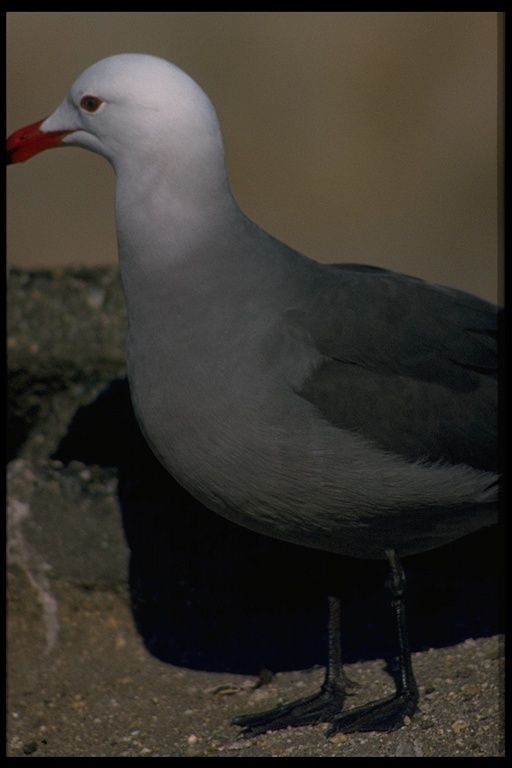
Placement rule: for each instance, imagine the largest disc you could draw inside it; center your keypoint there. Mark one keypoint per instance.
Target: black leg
(406, 682)
(321, 707)
(383, 715)
(335, 679)
(387, 714)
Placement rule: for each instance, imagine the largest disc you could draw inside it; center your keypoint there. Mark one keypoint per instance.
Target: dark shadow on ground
(208, 594)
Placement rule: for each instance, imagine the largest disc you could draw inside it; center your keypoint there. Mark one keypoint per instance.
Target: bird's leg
(387, 714)
(321, 707)
(383, 715)
(335, 679)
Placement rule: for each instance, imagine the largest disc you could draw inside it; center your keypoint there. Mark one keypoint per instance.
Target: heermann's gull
(341, 407)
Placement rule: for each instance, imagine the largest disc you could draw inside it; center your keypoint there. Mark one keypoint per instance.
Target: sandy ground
(140, 624)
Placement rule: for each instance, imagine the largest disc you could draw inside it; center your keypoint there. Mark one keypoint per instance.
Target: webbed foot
(324, 706)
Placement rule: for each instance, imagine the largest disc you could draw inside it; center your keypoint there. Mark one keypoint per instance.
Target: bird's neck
(169, 229)
(162, 211)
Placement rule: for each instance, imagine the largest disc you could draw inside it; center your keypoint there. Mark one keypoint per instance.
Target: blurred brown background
(368, 137)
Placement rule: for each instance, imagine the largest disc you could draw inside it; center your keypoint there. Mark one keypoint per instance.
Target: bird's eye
(90, 103)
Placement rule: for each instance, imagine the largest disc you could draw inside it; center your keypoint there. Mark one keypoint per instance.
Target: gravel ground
(140, 624)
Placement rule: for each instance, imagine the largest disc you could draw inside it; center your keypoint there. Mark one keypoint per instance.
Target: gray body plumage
(331, 407)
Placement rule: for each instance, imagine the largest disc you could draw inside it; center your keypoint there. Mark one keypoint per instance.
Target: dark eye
(90, 103)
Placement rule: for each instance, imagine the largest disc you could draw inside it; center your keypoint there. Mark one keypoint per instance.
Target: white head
(135, 101)
(160, 132)
(140, 112)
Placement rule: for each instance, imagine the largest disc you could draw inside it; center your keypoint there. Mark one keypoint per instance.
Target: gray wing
(407, 364)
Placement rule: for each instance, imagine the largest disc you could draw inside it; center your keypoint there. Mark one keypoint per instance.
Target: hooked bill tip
(29, 141)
